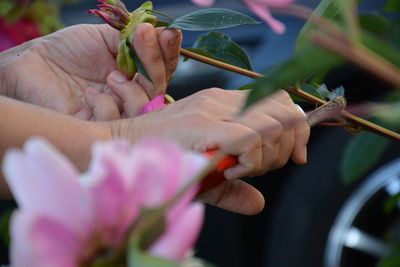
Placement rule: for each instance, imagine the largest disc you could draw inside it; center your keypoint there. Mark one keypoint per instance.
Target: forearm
(73, 137)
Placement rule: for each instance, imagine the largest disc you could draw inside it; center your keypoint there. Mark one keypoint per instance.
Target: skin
(61, 73)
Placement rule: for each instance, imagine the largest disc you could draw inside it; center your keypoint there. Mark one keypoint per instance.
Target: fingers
(236, 196)
(170, 42)
(295, 119)
(148, 49)
(104, 106)
(130, 92)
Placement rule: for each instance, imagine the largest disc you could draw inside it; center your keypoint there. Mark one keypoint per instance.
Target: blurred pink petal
(204, 3)
(264, 13)
(42, 241)
(275, 3)
(182, 232)
(65, 219)
(35, 176)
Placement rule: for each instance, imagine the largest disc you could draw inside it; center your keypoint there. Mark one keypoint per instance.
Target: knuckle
(212, 92)
(276, 130)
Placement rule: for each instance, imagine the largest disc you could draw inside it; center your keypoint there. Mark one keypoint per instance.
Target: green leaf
(326, 9)
(381, 27)
(392, 260)
(139, 258)
(6, 6)
(391, 204)
(222, 48)
(211, 19)
(138, 62)
(392, 6)
(294, 70)
(361, 154)
(161, 23)
(5, 226)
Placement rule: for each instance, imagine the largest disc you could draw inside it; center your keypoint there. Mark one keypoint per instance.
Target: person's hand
(264, 138)
(69, 70)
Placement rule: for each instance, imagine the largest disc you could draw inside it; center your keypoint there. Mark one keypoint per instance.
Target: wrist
(125, 128)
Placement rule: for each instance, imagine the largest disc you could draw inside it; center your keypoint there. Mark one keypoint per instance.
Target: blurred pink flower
(261, 9)
(17, 33)
(65, 219)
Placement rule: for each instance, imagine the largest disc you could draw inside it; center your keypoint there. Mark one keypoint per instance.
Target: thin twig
(364, 124)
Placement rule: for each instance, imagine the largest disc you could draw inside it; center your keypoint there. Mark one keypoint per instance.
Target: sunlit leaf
(361, 154)
(221, 47)
(211, 19)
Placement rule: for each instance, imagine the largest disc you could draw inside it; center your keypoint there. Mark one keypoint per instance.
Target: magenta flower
(66, 219)
(261, 9)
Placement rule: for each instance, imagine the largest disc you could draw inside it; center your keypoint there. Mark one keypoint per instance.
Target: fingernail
(149, 35)
(174, 38)
(118, 77)
(92, 91)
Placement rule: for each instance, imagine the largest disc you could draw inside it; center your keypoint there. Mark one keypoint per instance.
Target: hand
(264, 138)
(67, 71)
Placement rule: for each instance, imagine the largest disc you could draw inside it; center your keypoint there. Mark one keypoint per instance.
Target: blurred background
(311, 218)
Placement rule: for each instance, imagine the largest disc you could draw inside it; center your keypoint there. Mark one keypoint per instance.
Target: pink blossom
(64, 219)
(261, 9)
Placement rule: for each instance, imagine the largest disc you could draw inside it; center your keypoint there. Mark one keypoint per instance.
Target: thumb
(133, 95)
(104, 107)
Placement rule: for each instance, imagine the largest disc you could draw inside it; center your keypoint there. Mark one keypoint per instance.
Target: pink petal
(263, 12)
(44, 182)
(274, 3)
(155, 103)
(108, 181)
(192, 165)
(42, 241)
(181, 234)
(204, 3)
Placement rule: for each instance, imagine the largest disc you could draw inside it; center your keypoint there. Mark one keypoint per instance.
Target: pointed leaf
(138, 62)
(222, 48)
(211, 19)
(361, 154)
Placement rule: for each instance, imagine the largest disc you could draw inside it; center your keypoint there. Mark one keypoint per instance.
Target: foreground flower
(261, 9)
(66, 219)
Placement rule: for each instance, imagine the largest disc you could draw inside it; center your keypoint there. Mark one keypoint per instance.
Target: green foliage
(294, 70)
(361, 154)
(381, 27)
(392, 203)
(326, 9)
(6, 6)
(221, 47)
(393, 260)
(392, 6)
(211, 19)
(5, 226)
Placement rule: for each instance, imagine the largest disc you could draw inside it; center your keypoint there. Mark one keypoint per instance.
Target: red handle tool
(217, 176)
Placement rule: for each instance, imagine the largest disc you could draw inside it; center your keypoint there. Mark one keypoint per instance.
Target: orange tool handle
(217, 176)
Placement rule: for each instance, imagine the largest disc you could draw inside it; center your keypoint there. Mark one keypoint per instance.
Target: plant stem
(360, 56)
(364, 124)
